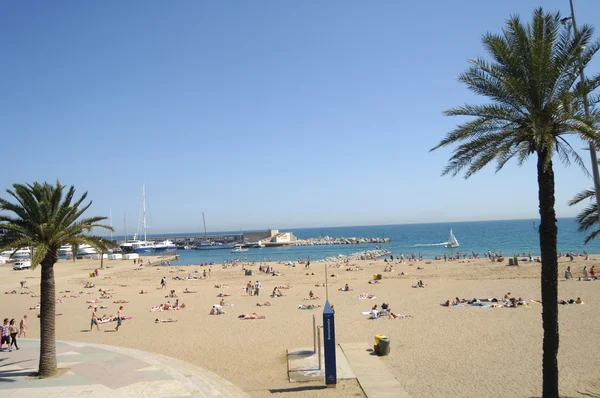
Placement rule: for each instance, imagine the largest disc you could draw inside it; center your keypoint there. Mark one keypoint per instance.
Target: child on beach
(23, 327)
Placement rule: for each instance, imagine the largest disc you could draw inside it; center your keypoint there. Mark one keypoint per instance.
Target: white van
(22, 264)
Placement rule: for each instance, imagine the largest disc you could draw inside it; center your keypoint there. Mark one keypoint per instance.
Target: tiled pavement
(104, 371)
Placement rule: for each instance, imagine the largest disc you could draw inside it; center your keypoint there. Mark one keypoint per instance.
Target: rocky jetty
(364, 255)
(326, 240)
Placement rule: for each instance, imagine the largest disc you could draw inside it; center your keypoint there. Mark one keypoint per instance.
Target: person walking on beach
(23, 327)
(5, 334)
(592, 272)
(163, 282)
(94, 319)
(585, 272)
(13, 334)
(119, 318)
(256, 288)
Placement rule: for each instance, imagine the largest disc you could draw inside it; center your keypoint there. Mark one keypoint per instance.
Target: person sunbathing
(265, 304)
(446, 304)
(11, 292)
(308, 306)
(144, 292)
(253, 315)
(346, 288)
(36, 307)
(366, 296)
(321, 284)
(221, 286)
(89, 285)
(456, 301)
(223, 295)
(120, 302)
(216, 311)
(399, 316)
(419, 284)
(168, 320)
(374, 282)
(102, 307)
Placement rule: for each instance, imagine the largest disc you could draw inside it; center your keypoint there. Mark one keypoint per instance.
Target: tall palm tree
(531, 84)
(588, 218)
(44, 217)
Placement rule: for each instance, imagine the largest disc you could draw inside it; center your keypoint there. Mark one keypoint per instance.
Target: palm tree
(45, 218)
(588, 218)
(534, 105)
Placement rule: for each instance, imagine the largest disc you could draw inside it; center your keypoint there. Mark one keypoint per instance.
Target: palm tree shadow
(10, 376)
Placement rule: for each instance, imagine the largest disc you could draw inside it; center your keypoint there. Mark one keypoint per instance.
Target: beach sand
(439, 352)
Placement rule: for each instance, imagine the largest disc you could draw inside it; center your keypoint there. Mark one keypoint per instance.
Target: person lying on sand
(223, 295)
(89, 285)
(189, 291)
(221, 286)
(37, 307)
(253, 315)
(144, 292)
(322, 284)
(374, 282)
(11, 292)
(168, 320)
(284, 287)
(399, 316)
(102, 307)
(446, 304)
(308, 306)
(265, 304)
(366, 296)
(120, 302)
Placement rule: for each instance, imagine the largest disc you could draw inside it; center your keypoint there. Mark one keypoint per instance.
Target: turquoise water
(509, 237)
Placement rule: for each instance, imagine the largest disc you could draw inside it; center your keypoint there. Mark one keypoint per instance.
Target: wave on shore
(430, 244)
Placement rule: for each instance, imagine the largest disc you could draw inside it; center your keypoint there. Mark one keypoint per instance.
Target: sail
(452, 242)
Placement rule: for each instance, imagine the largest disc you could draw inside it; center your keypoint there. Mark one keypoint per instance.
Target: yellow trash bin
(379, 336)
(374, 277)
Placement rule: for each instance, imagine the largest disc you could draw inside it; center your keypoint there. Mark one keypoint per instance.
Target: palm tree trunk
(548, 241)
(47, 365)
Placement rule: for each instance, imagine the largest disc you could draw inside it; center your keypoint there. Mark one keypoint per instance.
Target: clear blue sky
(259, 113)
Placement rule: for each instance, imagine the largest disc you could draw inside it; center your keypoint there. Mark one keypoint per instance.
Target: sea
(506, 237)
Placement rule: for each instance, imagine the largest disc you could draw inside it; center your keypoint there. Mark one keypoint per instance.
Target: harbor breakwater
(322, 241)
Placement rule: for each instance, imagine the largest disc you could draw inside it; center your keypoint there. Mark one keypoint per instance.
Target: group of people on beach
(587, 275)
(9, 332)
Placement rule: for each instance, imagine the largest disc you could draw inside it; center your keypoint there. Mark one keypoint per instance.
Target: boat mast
(204, 221)
(125, 226)
(144, 208)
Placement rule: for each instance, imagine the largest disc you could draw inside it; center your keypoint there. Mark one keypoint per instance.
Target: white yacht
(86, 250)
(65, 250)
(238, 249)
(165, 245)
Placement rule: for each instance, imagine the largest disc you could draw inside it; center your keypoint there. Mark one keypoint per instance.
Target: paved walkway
(372, 373)
(104, 371)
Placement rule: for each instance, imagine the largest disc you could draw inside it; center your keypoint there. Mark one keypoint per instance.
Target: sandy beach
(438, 352)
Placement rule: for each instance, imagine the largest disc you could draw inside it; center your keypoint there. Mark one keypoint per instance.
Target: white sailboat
(452, 242)
(139, 246)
